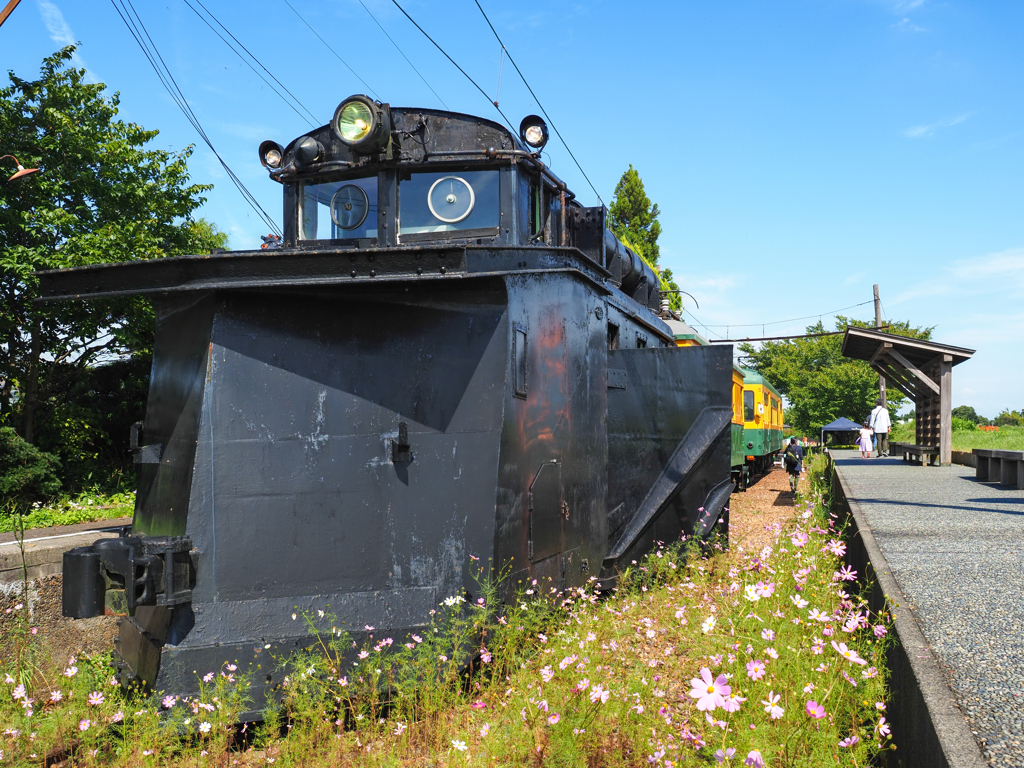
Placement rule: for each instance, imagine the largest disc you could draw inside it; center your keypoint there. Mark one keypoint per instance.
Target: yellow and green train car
(757, 416)
(762, 426)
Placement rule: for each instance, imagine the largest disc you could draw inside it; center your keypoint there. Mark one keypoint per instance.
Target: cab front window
(451, 201)
(338, 210)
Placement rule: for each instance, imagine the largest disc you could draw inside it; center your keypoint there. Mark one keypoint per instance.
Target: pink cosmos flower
(83, 725)
(847, 653)
(599, 692)
(846, 573)
(709, 692)
(767, 634)
(880, 631)
(208, 677)
(815, 710)
(772, 652)
(547, 673)
(554, 718)
(478, 705)
(543, 706)
(95, 699)
(765, 590)
(848, 742)
(722, 756)
(836, 547)
(485, 730)
(715, 723)
(754, 759)
(56, 696)
(799, 539)
(732, 702)
(168, 702)
(798, 601)
(582, 685)
(771, 705)
(882, 729)
(756, 669)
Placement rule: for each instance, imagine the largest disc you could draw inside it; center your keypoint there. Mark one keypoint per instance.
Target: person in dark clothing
(793, 460)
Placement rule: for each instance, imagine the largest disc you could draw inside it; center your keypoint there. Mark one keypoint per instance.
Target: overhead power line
(543, 111)
(138, 30)
(791, 320)
(445, 54)
(338, 57)
(783, 338)
(312, 123)
(403, 55)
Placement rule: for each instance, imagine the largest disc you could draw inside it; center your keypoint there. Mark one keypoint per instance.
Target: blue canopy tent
(840, 429)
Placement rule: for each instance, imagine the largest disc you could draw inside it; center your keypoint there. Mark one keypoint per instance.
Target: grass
(741, 657)
(84, 508)
(1006, 439)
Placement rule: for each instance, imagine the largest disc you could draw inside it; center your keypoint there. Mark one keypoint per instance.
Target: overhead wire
(313, 123)
(336, 55)
(543, 111)
(397, 48)
(138, 31)
(819, 315)
(445, 54)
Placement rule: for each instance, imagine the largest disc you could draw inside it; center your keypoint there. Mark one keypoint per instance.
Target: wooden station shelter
(921, 370)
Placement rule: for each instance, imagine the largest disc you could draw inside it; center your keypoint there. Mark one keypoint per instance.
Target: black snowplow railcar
(448, 357)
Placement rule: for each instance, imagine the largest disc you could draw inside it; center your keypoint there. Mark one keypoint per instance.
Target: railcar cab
(381, 177)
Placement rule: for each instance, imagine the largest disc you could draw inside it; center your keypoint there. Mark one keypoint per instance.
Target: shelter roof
(863, 343)
(842, 424)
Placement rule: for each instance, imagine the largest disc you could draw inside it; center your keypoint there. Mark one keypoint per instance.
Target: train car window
(748, 405)
(338, 210)
(519, 361)
(613, 336)
(641, 341)
(448, 201)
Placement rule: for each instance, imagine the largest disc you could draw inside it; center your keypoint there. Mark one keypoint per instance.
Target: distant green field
(1006, 439)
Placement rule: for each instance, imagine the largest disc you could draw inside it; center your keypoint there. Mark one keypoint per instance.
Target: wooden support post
(945, 410)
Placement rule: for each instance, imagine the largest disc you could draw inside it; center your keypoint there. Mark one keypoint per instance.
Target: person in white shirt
(880, 423)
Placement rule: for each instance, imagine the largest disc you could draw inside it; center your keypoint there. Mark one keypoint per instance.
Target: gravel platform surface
(956, 548)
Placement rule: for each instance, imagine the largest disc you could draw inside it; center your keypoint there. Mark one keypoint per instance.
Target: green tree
(1008, 418)
(634, 220)
(102, 196)
(965, 412)
(633, 217)
(820, 384)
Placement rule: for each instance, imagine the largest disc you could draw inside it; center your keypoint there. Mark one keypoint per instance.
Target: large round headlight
(534, 131)
(361, 123)
(271, 154)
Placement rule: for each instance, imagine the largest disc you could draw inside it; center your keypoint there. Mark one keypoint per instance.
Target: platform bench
(1005, 467)
(925, 454)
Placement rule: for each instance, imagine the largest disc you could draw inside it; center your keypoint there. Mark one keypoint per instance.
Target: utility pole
(7, 10)
(878, 324)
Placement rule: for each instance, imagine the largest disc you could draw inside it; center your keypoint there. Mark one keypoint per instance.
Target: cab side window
(748, 405)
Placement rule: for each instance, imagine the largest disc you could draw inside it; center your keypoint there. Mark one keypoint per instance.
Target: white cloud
(60, 33)
(853, 279)
(906, 25)
(924, 131)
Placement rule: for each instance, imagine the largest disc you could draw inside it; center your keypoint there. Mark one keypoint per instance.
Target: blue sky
(799, 151)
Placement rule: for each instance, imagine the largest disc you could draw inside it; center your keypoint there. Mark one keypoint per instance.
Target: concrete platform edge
(929, 729)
